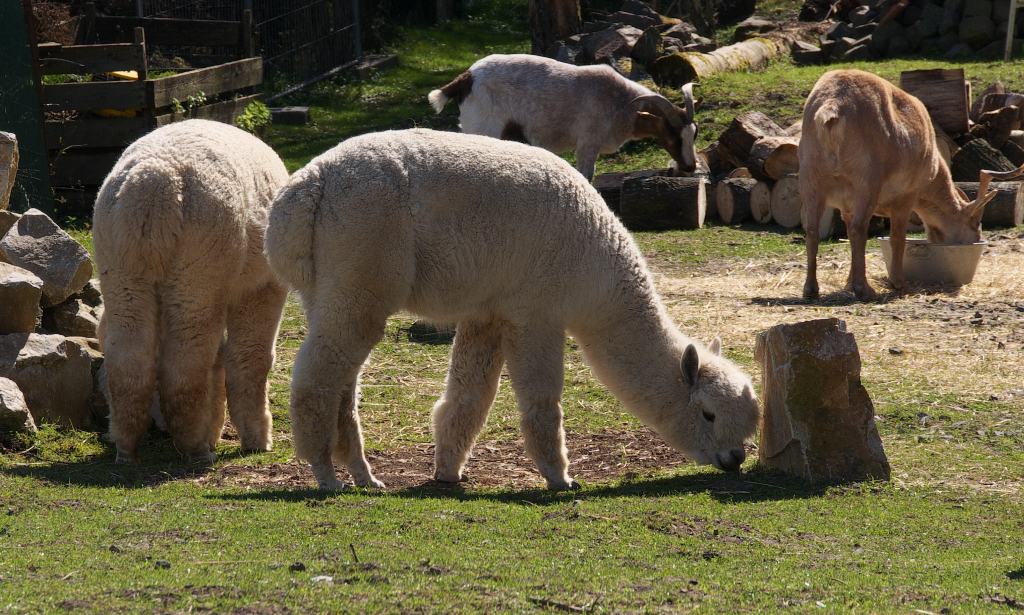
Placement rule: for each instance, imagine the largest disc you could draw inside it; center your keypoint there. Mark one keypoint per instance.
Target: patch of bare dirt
(593, 458)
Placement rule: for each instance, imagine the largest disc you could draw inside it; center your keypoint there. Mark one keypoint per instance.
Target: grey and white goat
(561, 107)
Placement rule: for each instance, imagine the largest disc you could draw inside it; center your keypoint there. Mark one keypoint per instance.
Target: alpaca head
(722, 412)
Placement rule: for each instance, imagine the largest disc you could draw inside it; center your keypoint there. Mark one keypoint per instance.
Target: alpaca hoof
(563, 485)
(810, 292)
(126, 457)
(332, 484)
(204, 458)
(448, 477)
(372, 483)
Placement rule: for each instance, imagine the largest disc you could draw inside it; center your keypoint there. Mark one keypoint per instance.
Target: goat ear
(963, 195)
(716, 346)
(690, 365)
(974, 209)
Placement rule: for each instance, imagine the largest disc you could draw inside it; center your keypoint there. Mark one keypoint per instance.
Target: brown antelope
(868, 148)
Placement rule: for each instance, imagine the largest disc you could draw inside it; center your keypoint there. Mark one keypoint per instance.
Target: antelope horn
(987, 176)
(662, 107)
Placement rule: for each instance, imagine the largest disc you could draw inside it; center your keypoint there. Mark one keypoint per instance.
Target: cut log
(716, 164)
(947, 146)
(761, 202)
(818, 418)
(944, 92)
(734, 199)
(979, 100)
(711, 192)
(1017, 136)
(1006, 210)
(740, 173)
(682, 67)
(746, 128)
(1013, 152)
(795, 129)
(785, 202)
(1000, 123)
(831, 222)
(771, 158)
(609, 185)
(973, 157)
(663, 203)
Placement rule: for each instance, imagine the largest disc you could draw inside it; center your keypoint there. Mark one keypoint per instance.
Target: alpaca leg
(252, 331)
(472, 383)
(130, 328)
(325, 384)
(218, 400)
(194, 318)
(535, 365)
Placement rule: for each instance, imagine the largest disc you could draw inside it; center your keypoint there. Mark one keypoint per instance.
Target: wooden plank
(186, 32)
(95, 95)
(97, 132)
(89, 59)
(82, 169)
(225, 111)
(214, 80)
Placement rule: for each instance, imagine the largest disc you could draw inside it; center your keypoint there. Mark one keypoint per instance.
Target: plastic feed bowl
(934, 264)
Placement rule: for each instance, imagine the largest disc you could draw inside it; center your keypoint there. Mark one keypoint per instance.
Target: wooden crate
(84, 139)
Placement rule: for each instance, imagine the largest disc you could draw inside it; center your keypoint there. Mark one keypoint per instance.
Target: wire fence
(301, 41)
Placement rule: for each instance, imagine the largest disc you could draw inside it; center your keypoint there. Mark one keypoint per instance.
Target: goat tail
(438, 99)
(289, 241)
(829, 121)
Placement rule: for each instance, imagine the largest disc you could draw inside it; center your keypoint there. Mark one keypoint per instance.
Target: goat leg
(815, 208)
(898, 241)
(857, 228)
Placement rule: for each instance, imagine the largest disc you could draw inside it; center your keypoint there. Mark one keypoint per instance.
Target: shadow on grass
(729, 488)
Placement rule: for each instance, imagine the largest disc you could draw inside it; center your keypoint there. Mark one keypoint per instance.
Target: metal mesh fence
(300, 40)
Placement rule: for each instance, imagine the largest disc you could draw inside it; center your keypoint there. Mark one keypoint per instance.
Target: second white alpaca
(518, 249)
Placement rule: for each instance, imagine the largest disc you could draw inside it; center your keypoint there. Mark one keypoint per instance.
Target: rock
(8, 167)
(960, 49)
(910, 15)
(947, 41)
(90, 293)
(636, 7)
(864, 30)
(842, 46)
(898, 46)
(860, 16)
(949, 23)
(977, 31)
(860, 53)
(977, 8)
(14, 414)
(36, 243)
(7, 220)
(20, 291)
(827, 50)
(629, 69)
(1001, 11)
(73, 318)
(992, 50)
(751, 27)
(612, 41)
(53, 373)
(954, 7)
(805, 54)
(883, 34)
(919, 31)
(818, 417)
(567, 53)
(682, 32)
(838, 30)
(649, 47)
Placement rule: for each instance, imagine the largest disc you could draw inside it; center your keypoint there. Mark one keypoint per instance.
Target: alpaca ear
(690, 365)
(716, 346)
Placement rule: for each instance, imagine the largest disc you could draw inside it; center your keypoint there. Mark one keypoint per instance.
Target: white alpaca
(178, 233)
(517, 248)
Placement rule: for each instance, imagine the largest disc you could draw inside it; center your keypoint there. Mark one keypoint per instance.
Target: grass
(80, 534)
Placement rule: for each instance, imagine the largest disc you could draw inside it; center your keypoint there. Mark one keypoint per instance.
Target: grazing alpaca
(517, 248)
(178, 233)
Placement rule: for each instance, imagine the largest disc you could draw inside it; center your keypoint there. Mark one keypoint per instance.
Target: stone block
(90, 293)
(947, 41)
(898, 46)
(641, 22)
(20, 291)
(53, 373)
(752, 27)
(838, 30)
(7, 220)
(73, 318)
(950, 22)
(885, 33)
(1001, 11)
(977, 8)
(14, 413)
(910, 15)
(959, 49)
(8, 167)
(860, 15)
(864, 30)
(977, 31)
(921, 30)
(36, 243)
(842, 46)
(818, 417)
(954, 7)
(649, 47)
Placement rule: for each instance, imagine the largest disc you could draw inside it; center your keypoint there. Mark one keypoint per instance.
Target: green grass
(80, 534)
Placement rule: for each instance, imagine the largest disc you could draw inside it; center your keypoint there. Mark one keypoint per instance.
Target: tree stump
(761, 202)
(786, 204)
(746, 128)
(831, 222)
(818, 417)
(733, 199)
(773, 157)
(740, 173)
(1006, 210)
(609, 185)
(663, 203)
(944, 92)
(974, 156)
